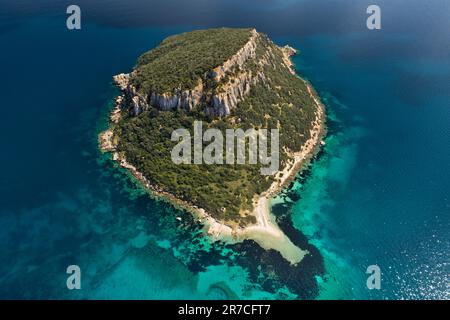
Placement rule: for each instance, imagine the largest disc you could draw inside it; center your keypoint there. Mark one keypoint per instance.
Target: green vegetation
(146, 142)
(225, 191)
(181, 60)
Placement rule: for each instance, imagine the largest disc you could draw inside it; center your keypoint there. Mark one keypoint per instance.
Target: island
(227, 78)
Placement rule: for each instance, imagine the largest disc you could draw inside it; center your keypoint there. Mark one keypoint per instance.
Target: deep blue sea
(378, 193)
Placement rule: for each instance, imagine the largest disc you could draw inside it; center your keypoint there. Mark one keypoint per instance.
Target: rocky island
(228, 79)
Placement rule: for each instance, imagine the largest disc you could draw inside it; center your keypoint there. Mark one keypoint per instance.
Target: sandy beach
(265, 231)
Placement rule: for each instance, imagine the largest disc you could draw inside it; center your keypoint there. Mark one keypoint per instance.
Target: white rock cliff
(230, 91)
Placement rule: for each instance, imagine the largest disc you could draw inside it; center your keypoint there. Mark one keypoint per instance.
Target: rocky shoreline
(265, 231)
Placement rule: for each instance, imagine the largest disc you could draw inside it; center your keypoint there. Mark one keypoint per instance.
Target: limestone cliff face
(233, 92)
(187, 99)
(232, 82)
(237, 60)
(138, 102)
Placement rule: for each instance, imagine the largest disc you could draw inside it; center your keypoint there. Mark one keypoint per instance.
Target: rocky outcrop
(232, 82)
(122, 81)
(131, 98)
(288, 51)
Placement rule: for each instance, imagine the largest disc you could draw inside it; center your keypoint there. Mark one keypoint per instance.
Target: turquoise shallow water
(376, 194)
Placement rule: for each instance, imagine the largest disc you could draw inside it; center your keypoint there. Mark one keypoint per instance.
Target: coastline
(265, 231)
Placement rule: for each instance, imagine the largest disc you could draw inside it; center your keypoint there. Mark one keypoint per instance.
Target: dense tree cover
(283, 102)
(225, 191)
(181, 60)
(146, 141)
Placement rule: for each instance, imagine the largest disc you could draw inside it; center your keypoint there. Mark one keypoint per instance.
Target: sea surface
(377, 194)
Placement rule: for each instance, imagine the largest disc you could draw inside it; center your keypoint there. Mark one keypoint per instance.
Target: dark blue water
(379, 193)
